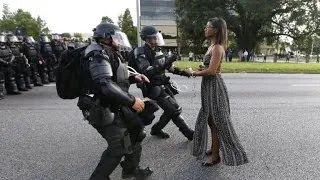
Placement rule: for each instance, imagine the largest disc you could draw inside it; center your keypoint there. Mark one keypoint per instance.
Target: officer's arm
(149, 70)
(101, 73)
(3, 62)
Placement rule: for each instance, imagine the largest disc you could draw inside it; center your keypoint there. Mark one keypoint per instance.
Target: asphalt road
(276, 117)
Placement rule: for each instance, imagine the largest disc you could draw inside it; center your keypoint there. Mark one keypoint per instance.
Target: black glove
(147, 115)
(171, 59)
(180, 72)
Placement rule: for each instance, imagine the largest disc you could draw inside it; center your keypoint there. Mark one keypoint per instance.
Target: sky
(71, 15)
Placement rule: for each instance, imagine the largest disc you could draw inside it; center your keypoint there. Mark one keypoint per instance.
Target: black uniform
(153, 64)
(57, 48)
(160, 90)
(21, 68)
(106, 76)
(48, 56)
(6, 71)
(30, 51)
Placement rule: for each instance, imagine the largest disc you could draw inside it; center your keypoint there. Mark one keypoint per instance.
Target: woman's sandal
(209, 164)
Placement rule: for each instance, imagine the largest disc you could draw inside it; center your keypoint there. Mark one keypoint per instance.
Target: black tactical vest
(31, 50)
(15, 51)
(46, 48)
(5, 53)
(57, 47)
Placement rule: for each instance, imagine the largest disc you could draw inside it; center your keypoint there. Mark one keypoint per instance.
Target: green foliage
(251, 21)
(78, 35)
(126, 24)
(106, 19)
(24, 20)
(66, 35)
(258, 67)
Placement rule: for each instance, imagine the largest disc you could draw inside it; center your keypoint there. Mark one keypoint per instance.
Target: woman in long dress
(215, 108)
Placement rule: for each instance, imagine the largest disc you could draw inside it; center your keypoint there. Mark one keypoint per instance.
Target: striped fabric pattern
(215, 109)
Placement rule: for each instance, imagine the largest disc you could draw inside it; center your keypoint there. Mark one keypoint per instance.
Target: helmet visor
(13, 39)
(121, 39)
(45, 39)
(56, 37)
(3, 38)
(160, 41)
(30, 39)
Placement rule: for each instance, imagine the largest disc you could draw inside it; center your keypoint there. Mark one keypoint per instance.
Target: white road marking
(305, 85)
(49, 85)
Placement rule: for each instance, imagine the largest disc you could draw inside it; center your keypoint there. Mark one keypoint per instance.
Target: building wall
(160, 14)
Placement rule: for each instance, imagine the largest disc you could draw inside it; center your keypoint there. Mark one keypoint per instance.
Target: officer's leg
(26, 75)
(172, 110)
(34, 73)
(50, 67)
(1, 85)
(43, 72)
(19, 77)
(118, 145)
(10, 82)
(156, 129)
(130, 165)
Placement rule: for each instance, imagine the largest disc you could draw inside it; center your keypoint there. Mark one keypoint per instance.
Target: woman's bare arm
(216, 54)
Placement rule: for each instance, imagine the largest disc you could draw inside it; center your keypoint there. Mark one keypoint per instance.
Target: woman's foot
(209, 152)
(211, 161)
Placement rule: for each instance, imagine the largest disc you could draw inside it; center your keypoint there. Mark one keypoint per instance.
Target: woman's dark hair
(221, 26)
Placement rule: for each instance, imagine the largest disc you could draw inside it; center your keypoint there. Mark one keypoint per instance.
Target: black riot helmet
(29, 40)
(151, 32)
(104, 30)
(12, 39)
(148, 31)
(55, 36)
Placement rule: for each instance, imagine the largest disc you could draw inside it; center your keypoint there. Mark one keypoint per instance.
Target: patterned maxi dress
(216, 109)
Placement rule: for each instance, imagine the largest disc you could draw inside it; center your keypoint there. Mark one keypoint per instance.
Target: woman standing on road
(215, 109)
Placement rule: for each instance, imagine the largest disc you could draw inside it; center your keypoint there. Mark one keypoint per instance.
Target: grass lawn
(258, 67)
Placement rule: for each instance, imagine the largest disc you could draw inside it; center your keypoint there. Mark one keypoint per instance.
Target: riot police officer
(30, 51)
(107, 78)
(20, 64)
(6, 71)
(150, 61)
(57, 45)
(48, 56)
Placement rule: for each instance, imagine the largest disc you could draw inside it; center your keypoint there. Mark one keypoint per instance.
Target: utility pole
(138, 22)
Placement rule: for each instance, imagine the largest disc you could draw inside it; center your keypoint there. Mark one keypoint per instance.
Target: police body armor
(32, 55)
(46, 48)
(57, 47)
(5, 53)
(31, 51)
(6, 59)
(20, 67)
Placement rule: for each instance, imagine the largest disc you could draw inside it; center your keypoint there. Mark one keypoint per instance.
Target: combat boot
(20, 83)
(1, 89)
(27, 80)
(11, 87)
(138, 173)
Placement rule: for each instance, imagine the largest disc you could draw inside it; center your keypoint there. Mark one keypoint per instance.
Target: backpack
(68, 76)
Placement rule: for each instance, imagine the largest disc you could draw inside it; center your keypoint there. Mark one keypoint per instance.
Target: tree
(6, 13)
(126, 24)
(250, 21)
(78, 35)
(24, 21)
(66, 35)
(106, 19)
